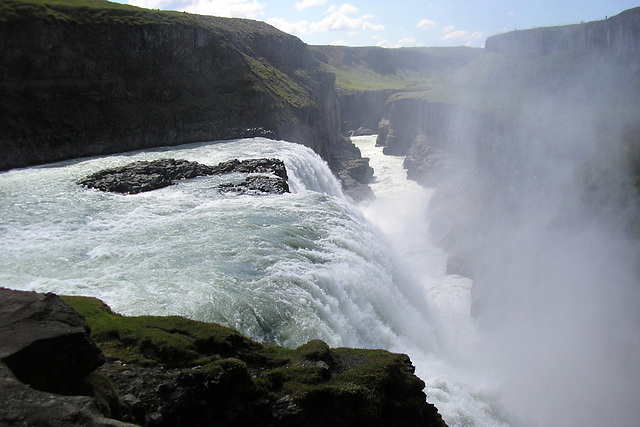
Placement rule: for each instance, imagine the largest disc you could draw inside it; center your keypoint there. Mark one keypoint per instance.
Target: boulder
(44, 342)
(45, 357)
(21, 405)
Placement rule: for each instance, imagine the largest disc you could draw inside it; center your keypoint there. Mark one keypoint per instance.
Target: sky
(400, 23)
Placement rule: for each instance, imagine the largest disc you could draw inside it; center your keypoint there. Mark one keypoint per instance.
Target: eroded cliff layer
(94, 77)
(619, 33)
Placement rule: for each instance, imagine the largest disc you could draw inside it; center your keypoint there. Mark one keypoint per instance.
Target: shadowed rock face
(144, 176)
(45, 342)
(101, 78)
(44, 349)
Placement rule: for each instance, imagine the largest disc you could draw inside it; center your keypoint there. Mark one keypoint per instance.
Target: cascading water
(282, 269)
(285, 269)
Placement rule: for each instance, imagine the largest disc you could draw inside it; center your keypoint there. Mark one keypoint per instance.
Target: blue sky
(400, 23)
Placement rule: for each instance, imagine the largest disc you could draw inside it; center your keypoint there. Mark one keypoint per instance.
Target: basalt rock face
(620, 33)
(144, 176)
(101, 78)
(164, 371)
(45, 357)
(361, 111)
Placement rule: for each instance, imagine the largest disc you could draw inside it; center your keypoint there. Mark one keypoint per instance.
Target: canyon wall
(522, 120)
(619, 33)
(100, 78)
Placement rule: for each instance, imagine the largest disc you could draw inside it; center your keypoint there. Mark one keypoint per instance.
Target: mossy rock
(200, 372)
(150, 340)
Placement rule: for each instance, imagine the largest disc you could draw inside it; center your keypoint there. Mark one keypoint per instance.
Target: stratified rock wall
(618, 33)
(363, 110)
(82, 81)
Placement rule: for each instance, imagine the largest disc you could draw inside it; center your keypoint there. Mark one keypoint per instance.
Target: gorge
(510, 277)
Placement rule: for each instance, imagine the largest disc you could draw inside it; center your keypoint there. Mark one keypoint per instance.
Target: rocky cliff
(619, 33)
(94, 77)
(368, 76)
(158, 371)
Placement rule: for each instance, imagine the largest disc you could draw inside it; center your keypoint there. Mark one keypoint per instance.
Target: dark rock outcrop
(45, 357)
(45, 342)
(144, 176)
(257, 185)
(174, 371)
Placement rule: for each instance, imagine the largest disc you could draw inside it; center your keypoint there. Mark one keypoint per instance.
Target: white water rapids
(282, 269)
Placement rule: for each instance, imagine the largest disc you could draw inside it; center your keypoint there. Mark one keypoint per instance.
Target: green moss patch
(278, 83)
(149, 340)
(188, 361)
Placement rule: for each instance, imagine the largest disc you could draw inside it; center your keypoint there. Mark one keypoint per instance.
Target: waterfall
(285, 269)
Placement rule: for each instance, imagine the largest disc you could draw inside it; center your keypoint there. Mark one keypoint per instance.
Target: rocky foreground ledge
(72, 361)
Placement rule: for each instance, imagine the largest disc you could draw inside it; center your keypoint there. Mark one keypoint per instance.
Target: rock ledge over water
(144, 176)
(162, 371)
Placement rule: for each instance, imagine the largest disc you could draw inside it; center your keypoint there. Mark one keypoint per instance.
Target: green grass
(278, 83)
(87, 12)
(374, 68)
(149, 340)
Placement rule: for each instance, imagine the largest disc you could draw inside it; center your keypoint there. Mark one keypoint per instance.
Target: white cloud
(298, 28)
(229, 8)
(403, 42)
(305, 4)
(456, 35)
(449, 28)
(345, 9)
(463, 36)
(407, 41)
(339, 19)
(368, 26)
(425, 24)
(339, 43)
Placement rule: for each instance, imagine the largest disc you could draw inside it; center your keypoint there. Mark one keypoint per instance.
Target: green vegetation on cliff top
(406, 69)
(92, 12)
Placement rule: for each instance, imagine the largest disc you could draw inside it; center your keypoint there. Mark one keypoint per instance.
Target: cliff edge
(619, 33)
(159, 371)
(91, 77)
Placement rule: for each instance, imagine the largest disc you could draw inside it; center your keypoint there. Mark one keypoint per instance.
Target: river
(282, 269)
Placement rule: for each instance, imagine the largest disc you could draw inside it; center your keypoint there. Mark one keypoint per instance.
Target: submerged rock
(144, 176)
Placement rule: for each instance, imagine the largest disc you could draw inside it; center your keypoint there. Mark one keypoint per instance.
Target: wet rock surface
(144, 176)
